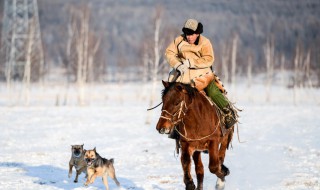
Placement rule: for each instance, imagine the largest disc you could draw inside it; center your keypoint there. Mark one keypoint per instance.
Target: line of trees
(110, 41)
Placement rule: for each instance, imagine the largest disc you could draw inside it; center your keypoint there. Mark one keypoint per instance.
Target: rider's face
(192, 38)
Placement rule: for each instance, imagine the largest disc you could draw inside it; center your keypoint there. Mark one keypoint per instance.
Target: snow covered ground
(281, 148)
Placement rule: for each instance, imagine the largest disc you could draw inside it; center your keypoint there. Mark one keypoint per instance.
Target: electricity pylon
(21, 40)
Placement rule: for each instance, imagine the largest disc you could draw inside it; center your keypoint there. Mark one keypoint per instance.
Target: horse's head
(175, 98)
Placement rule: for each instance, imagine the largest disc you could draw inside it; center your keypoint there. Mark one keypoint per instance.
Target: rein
(173, 80)
(154, 107)
(189, 139)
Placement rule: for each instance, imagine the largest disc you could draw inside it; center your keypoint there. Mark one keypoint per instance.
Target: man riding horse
(191, 57)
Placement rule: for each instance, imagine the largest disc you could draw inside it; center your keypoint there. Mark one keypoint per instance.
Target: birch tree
(269, 55)
(296, 74)
(307, 71)
(156, 61)
(225, 62)
(82, 49)
(249, 75)
(233, 61)
(282, 69)
(27, 67)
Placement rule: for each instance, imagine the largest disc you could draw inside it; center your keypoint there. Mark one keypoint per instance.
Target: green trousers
(216, 95)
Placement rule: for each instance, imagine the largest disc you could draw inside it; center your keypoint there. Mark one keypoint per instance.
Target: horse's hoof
(190, 186)
(200, 187)
(225, 170)
(220, 184)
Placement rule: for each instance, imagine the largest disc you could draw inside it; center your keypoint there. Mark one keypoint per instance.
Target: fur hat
(192, 26)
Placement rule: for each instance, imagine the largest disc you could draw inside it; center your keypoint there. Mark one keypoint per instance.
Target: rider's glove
(182, 67)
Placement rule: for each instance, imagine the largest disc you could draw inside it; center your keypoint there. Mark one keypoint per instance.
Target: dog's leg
(90, 173)
(92, 178)
(77, 175)
(79, 172)
(112, 174)
(105, 181)
(70, 170)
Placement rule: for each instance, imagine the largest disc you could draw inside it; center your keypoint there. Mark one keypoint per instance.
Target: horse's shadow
(48, 175)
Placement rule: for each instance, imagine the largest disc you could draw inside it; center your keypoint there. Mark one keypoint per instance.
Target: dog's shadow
(48, 175)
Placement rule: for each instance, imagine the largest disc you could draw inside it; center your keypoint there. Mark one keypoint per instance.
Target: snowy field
(281, 148)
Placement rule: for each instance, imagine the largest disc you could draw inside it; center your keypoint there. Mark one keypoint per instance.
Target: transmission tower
(21, 39)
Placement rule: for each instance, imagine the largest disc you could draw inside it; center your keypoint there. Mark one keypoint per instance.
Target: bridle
(181, 112)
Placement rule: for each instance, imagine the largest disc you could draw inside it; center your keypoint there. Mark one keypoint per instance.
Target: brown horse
(189, 113)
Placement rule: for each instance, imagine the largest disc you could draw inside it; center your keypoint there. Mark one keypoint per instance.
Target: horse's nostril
(162, 130)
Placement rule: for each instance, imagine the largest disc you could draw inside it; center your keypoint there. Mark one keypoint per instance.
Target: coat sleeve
(206, 58)
(172, 52)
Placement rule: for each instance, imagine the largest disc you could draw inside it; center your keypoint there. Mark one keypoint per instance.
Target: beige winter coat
(200, 57)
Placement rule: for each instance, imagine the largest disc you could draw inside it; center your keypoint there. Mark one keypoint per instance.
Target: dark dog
(77, 160)
(98, 166)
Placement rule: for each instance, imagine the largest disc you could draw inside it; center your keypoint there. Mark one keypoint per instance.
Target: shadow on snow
(53, 176)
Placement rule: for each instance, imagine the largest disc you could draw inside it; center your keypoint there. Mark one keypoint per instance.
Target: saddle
(201, 82)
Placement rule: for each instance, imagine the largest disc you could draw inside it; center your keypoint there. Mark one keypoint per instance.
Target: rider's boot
(229, 116)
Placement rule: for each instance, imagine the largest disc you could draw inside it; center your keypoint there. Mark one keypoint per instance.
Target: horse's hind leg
(220, 184)
(186, 166)
(214, 161)
(199, 169)
(222, 154)
(222, 151)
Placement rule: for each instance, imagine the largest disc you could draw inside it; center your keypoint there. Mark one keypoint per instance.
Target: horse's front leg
(199, 169)
(186, 166)
(215, 165)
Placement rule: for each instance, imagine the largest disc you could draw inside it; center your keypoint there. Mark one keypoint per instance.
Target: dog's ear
(94, 149)
(82, 145)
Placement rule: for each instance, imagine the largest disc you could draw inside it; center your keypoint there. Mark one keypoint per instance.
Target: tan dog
(98, 166)
(77, 160)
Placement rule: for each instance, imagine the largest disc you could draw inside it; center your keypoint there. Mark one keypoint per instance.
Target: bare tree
(282, 69)
(27, 67)
(225, 62)
(157, 54)
(249, 71)
(307, 71)
(233, 60)
(82, 50)
(269, 54)
(296, 74)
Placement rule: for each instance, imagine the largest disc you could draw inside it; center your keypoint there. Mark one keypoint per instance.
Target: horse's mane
(190, 90)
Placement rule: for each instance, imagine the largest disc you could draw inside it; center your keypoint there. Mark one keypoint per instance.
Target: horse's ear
(165, 84)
